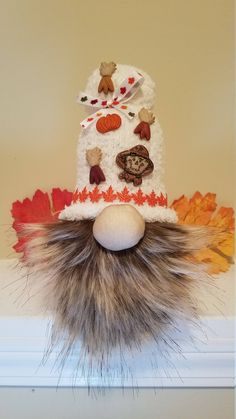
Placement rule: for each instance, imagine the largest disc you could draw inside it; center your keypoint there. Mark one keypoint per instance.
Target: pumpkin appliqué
(108, 123)
(135, 163)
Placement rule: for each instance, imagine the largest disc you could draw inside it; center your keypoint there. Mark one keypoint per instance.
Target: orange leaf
(95, 195)
(216, 262)
(124, 195)
(152, 199)
(224, 218)
(181, 206)
(83, 195)
(139, 197)
(109, 195)
(202, 210)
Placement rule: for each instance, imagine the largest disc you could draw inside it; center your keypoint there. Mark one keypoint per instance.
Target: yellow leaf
(216, 262)
(202, 210)
(226, 246)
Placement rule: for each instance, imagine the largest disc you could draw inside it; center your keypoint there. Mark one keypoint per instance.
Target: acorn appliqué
(106, 83)
(135, 163)
(94, 157)
(143, 128)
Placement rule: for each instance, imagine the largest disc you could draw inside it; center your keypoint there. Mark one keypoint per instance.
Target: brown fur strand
(120, 299)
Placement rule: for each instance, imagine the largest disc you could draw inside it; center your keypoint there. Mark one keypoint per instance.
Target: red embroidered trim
(124, 196)
(95, 195)
(139, 198)
(109, 195)
(80, 196)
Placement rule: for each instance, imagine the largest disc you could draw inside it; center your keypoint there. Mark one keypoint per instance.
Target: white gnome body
(111, 144)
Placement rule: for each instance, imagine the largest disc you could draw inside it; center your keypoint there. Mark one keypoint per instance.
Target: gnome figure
(117, 264)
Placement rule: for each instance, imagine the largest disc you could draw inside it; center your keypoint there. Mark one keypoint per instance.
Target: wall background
(48, 48)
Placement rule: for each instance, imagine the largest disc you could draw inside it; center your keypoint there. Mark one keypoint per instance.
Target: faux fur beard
(109, 300)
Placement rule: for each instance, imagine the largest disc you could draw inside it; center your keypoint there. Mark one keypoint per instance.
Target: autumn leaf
(202, 210)
(80, 196)
(95, 195)
(223, 218)
(216, 262)
(109, 195)
(60, 199)
(42, 208)
(181, 206)
(162, 200)
(139, 197)
(152, 199)
(124, 195)
(35, 210)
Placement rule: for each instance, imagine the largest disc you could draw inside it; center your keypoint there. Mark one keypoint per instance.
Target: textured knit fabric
(150, 197)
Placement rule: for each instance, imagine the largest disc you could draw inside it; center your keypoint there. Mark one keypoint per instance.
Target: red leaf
(139, 198)
(83, 195)
(162, 200)
(19, 246)
(143, 129)
(36, 210)
(80, 196)
(109, 195)
(152, 199)
(95, 195)
(60, 199)
(124, 195)
(75, 196)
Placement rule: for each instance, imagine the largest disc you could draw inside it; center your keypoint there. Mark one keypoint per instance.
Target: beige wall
(48, 48)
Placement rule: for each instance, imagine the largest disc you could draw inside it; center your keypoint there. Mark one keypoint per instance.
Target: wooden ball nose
(119, 227)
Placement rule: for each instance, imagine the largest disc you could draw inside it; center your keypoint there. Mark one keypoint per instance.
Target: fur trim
(111, 300)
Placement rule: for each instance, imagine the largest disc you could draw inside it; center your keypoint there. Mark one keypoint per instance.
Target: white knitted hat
(103, 140)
